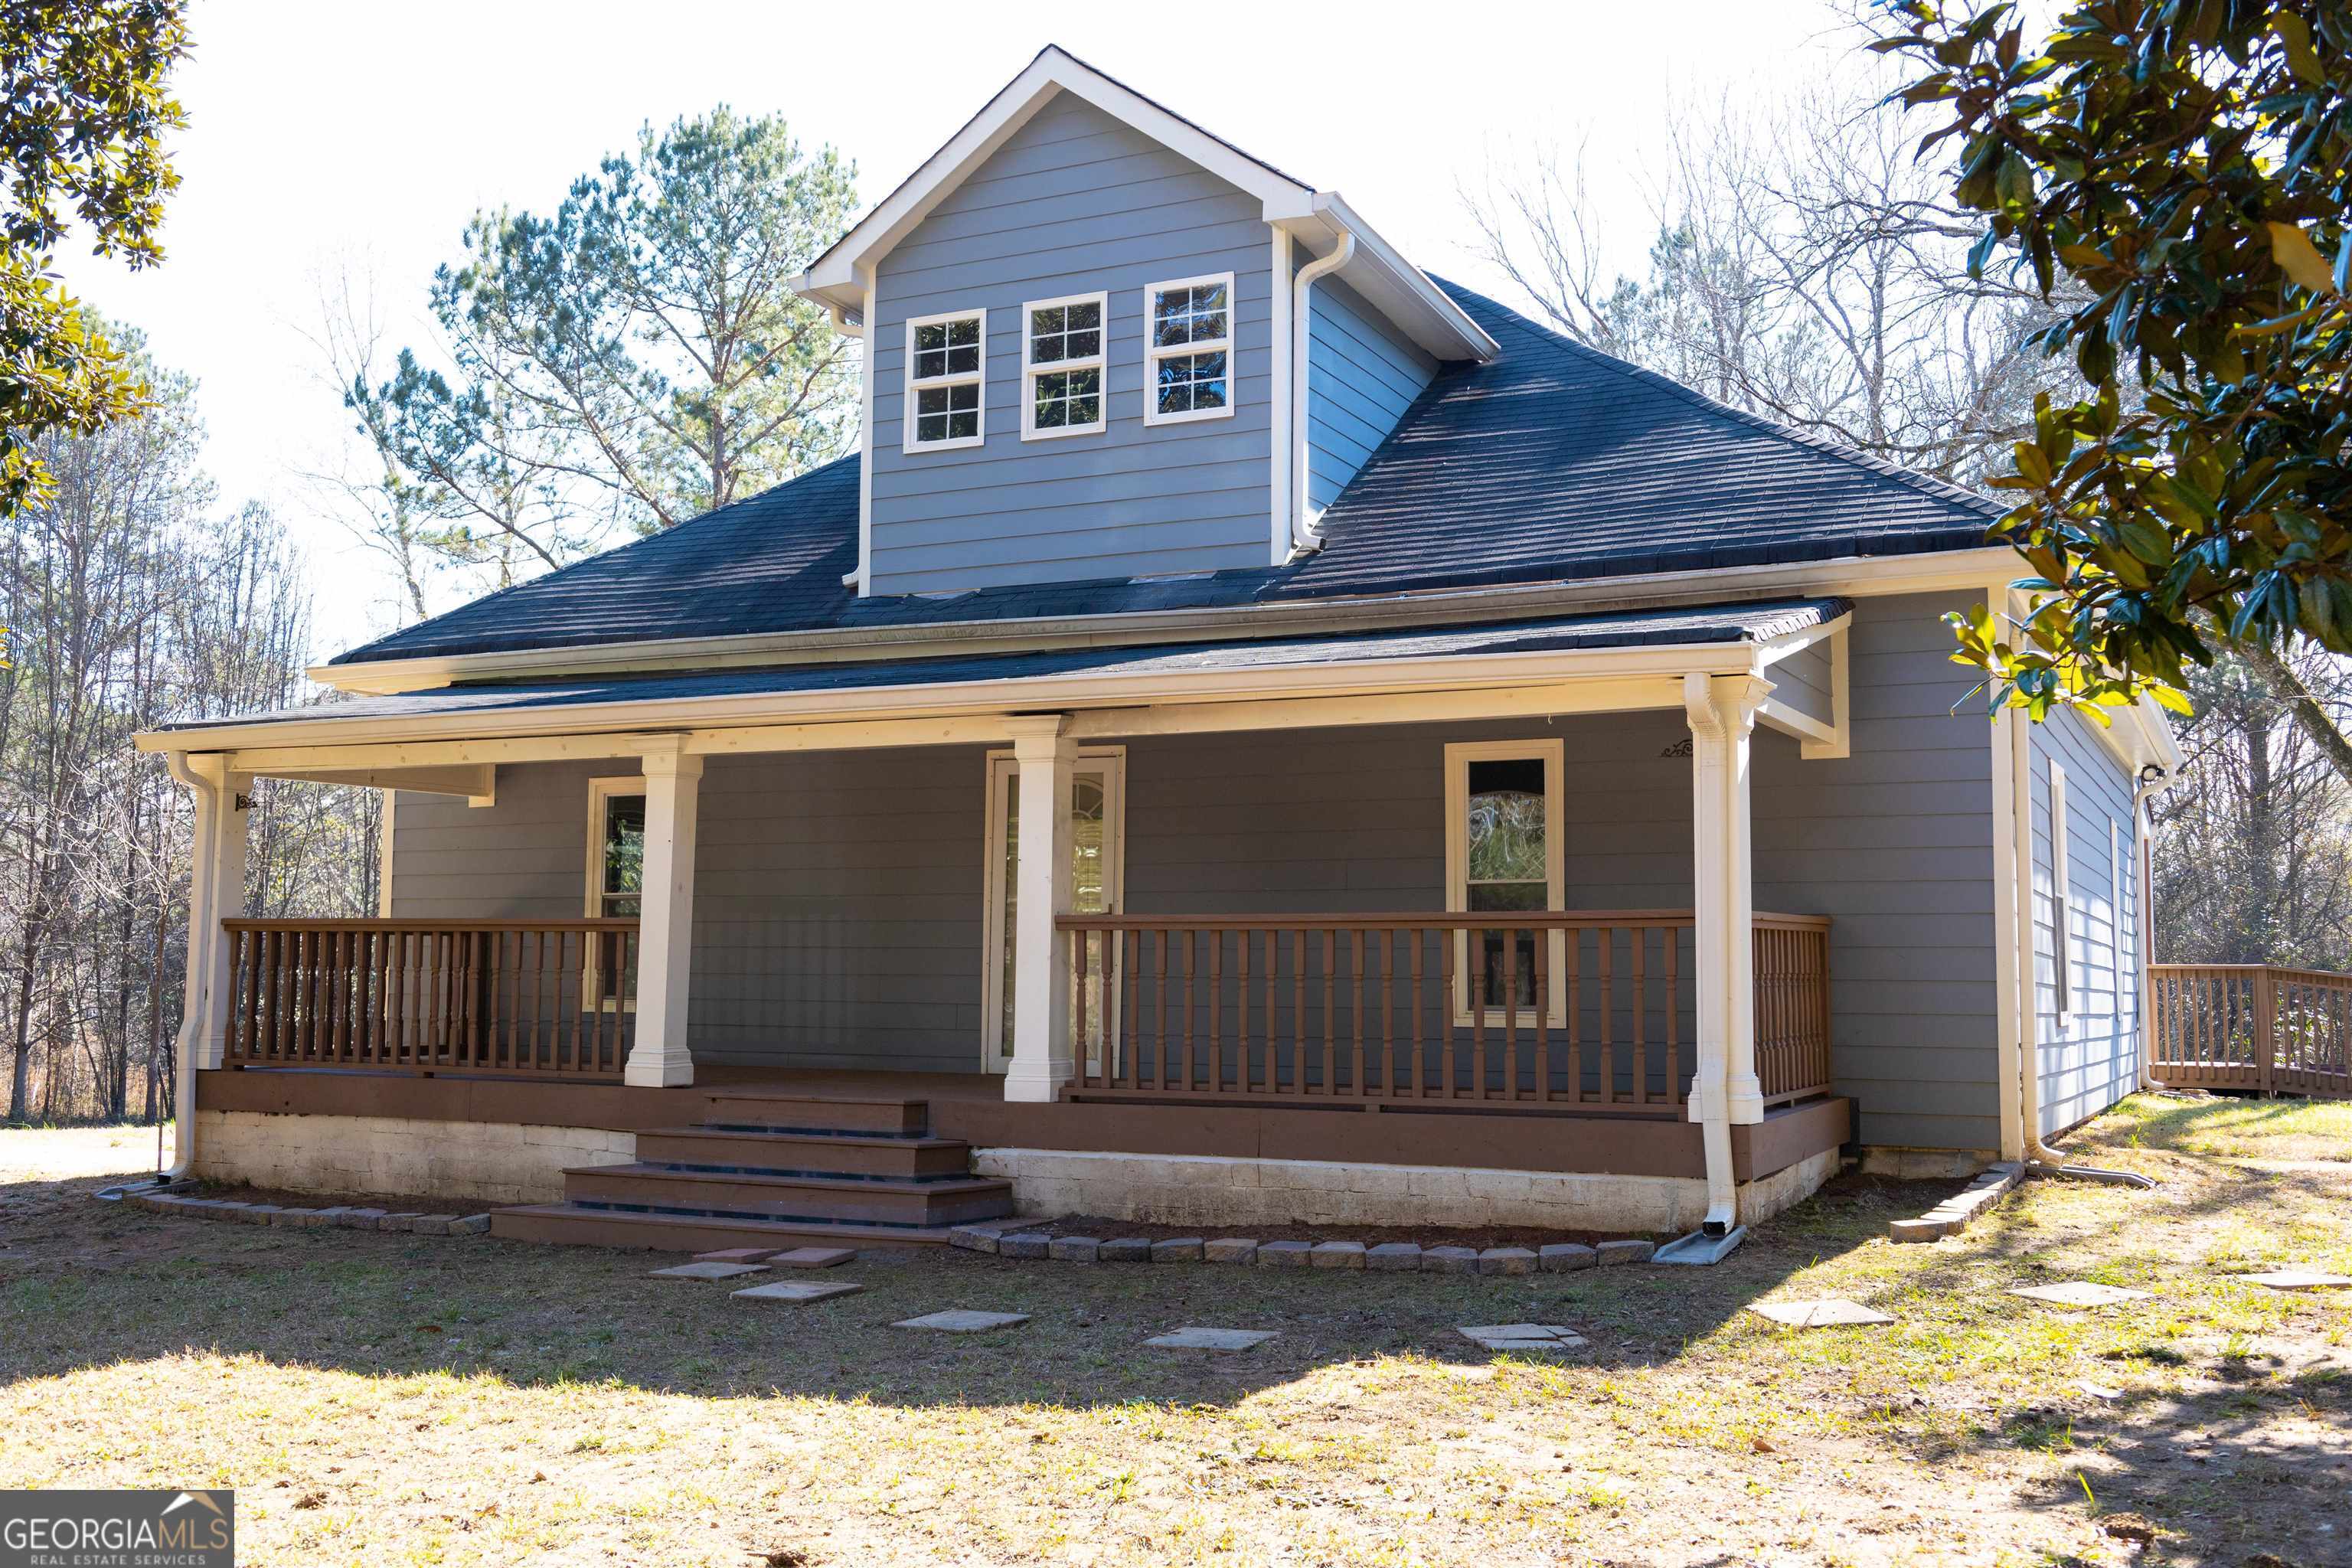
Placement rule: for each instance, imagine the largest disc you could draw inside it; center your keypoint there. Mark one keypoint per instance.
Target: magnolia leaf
(2299, 259)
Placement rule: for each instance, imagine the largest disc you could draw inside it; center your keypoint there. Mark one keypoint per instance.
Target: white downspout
(202, 932)
(856, 578)
(1304, 540)
(1710, 1104)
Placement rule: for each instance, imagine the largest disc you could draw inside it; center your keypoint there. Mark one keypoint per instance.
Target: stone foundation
(484, 1162)
(1209, 1191)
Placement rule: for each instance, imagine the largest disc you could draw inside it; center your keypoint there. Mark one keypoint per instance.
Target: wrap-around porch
(1440, 904)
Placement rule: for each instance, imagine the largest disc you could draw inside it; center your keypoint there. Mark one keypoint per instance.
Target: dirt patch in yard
(386, 1397)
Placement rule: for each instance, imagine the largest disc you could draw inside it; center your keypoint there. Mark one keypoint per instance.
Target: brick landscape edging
(1008, 1239)
(342, 1217)
(1952, 1215)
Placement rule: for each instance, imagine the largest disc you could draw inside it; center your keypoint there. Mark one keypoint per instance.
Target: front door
(1098, 846)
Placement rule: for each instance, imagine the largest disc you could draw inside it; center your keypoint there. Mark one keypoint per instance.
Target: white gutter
(2144, 872)
(1304, 540)
(1847, 576)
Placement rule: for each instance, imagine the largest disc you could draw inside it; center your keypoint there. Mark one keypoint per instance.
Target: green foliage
(637, 355)
(2186, 165)
(83, 108)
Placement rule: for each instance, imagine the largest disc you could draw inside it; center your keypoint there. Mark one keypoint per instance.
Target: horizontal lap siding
(1802, 679)
(1361, 375)
(1895, 845)
(1075, 202)
(837, 896)
(2090, 1059)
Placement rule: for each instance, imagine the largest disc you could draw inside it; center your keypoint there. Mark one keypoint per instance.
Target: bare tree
(1805, 266)
(131, 602)
(2257, 861)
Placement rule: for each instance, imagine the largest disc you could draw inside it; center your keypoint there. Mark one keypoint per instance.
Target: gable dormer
(1085, 322)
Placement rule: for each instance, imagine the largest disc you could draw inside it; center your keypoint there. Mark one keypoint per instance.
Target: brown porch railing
(2257, 1027)
(552, 998)
(1577, 1011)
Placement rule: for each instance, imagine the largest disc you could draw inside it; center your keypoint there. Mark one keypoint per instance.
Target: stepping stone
(2079, 1293)
(1394, 1257)
(1241, 1249)
(812, 1257)
(1524, 1337)
(973, 1238)
(1338, 1255)
(2301, 1280)
(957, 1320)
(1829, 1314)
(1565, 1257)
(1024, 1244)
(1177, 1249)
(1075, 1248)
(799, 1292)
(1127, 1250)
(1283, 1255)
(1616, 1252)
(734, 1255)
(1448, 1260)
(700, 1270)
(1211, 1340)
(1507, 1261)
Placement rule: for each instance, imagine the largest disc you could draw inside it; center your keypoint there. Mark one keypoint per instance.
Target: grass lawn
(391, 1399)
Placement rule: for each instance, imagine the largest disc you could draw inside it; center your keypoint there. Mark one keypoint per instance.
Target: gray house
(1253, 732)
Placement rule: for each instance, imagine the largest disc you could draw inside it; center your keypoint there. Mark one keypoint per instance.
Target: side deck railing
(543, 998)
(2256, 1027)
(1583, 1011)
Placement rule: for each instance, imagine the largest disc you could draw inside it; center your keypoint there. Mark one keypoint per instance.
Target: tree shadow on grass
(84, 1283)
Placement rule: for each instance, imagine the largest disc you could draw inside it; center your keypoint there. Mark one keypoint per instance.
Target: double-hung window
(946, 381)
(616, 878)
(1188, 350)
(1061, 366)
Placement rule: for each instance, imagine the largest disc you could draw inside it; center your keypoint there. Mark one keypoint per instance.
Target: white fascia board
(1089, 689)
(1850, 577)
(833, 276)
(1402, 291)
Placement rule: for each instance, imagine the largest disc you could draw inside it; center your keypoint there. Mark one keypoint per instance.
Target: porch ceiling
(1556, 650)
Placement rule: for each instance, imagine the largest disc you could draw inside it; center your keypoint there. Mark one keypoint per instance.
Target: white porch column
(1723, 1086)
(216, 892)
(658, 1056)
(1045, 886)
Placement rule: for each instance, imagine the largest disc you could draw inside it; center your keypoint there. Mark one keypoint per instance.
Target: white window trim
(978, 378)
(2061, 896)
(1153, 353)
(1459, 755)
(1100, 361)
(592, 885)
(1111, 760)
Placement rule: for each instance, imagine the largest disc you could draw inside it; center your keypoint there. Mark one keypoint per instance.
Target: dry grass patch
(374, 1397)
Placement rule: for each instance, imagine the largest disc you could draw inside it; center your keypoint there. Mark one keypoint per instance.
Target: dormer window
(1188, 350)
(946, 382)
(1061, 366)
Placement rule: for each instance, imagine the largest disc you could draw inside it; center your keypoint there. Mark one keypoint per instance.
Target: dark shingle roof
(1713, 624)
(1551, 462)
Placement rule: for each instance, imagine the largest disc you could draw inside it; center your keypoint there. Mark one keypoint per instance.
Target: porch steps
(778, 1169)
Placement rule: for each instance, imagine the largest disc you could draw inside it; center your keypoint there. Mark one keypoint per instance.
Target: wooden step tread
(568, 1224)
(807, 1135)
(934, 1187)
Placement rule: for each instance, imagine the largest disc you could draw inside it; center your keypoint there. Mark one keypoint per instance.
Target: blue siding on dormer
(1075, 201)
(1361, 375)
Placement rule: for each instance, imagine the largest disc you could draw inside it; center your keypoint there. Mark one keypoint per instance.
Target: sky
(331, 141)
